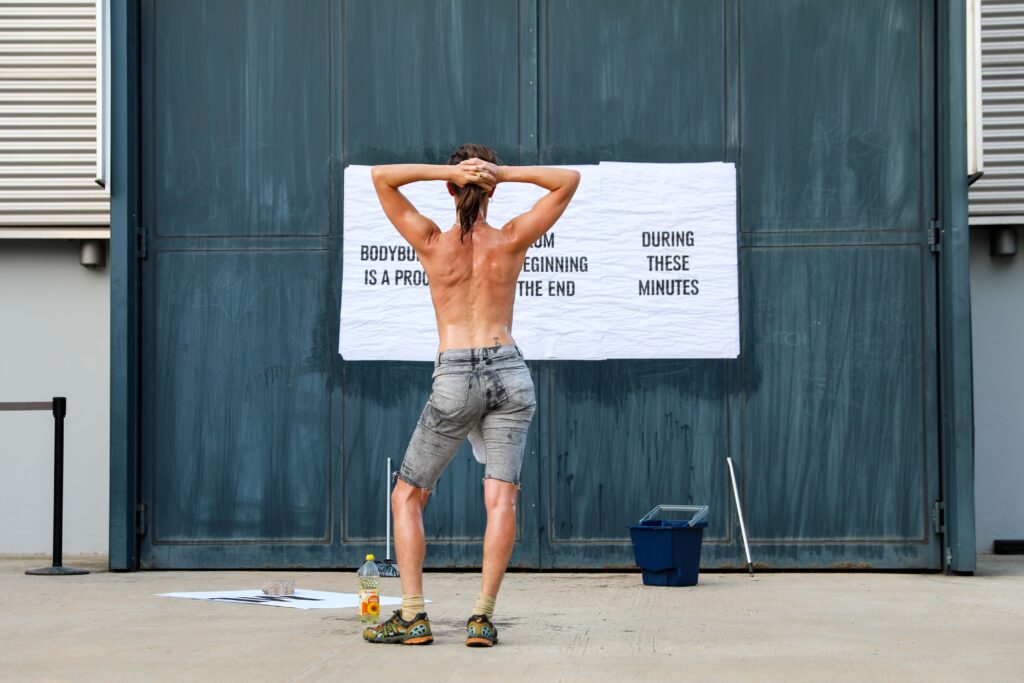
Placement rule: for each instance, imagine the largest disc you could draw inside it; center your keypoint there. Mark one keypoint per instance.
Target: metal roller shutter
(48, 121)
(998, 197)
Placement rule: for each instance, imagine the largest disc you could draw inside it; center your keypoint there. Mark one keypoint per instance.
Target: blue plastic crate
(668, 550)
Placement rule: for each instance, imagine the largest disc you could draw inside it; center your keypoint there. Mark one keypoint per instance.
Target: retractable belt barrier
(59, 405)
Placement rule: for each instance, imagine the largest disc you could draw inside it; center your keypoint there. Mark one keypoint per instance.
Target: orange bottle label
(369, 603)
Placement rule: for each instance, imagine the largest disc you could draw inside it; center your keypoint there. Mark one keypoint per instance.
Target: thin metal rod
(387, 497)
(59, 411)
(739, 511)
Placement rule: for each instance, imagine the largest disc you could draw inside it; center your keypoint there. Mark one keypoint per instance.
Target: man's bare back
(473, 286)
(473, 275)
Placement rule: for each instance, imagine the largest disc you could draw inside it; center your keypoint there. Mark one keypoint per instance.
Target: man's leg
(504, 431)
(440, 430)
(407, 503)
(408, 626)
(500, 501)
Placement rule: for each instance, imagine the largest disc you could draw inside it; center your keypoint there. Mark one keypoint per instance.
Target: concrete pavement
(553, 627)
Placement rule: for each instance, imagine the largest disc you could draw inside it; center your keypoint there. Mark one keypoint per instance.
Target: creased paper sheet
(641, 265)
(303, 599)
(671, 291)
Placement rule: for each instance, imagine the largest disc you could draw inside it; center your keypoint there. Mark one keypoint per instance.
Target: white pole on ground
(739, 511)
(387, 497)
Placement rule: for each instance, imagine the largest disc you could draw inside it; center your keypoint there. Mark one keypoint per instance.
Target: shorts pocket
(449, 393)
(518, 385)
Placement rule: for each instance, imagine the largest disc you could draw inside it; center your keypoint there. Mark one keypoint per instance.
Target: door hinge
(140, 519)
(142, 243)
(939, 517)
(935, 235)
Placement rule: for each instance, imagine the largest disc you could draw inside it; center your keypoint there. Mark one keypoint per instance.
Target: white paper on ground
(303, 599)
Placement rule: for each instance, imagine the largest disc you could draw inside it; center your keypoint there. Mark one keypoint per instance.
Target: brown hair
(468, 197)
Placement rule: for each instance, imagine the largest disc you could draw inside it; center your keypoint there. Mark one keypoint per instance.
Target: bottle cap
(369, 557)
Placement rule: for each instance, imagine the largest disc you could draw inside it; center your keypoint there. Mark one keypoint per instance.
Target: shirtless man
(481, 382)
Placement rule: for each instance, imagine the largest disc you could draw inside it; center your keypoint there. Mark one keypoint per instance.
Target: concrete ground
(553, 627)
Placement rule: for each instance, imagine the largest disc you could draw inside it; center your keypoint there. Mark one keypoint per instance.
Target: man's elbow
(382, 177)
(574, 179)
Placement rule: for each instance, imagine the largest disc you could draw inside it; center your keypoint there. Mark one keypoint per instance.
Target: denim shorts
(489, 388)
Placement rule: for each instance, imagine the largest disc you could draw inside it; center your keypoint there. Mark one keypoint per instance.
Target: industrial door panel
(622, 437)
(632, 81)
(243, 133)
(839, 452)
(248, 132)
(422, 77)
(619, 437)
(833, 361)
(426, 97)
(828, 156)
(238, 398)
(241, 430)
(831, 115)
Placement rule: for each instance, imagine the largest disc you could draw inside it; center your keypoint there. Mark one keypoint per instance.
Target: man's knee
(405, 495)
(499, 494)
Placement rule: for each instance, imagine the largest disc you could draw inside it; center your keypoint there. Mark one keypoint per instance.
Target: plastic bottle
(369, 592)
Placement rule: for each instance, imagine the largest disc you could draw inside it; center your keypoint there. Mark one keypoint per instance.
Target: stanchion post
(60, 410)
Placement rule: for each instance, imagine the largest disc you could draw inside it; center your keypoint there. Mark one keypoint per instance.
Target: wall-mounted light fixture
(1003, 241)
(92, 253)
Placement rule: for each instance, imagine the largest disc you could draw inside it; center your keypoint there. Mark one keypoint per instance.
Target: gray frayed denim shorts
(489, 388)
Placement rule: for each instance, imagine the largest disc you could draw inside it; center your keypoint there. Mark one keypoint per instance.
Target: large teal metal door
(261, 447)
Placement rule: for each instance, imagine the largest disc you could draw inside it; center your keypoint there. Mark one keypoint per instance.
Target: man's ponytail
(468, 206)
(469, 197)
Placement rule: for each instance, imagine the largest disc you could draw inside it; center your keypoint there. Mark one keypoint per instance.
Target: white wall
(54, 341)
(997, 321)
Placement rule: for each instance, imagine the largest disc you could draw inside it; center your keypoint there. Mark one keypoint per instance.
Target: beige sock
(411, 606)
(484, 605)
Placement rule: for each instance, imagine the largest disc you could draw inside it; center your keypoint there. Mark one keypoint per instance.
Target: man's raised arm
(416, 228)
(561, 184)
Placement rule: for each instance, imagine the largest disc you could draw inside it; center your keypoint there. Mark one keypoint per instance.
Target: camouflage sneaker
(480, 632)
(397, 630)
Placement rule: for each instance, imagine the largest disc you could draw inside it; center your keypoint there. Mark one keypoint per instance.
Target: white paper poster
(641, 265)
(302, 599)
(671, 292)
